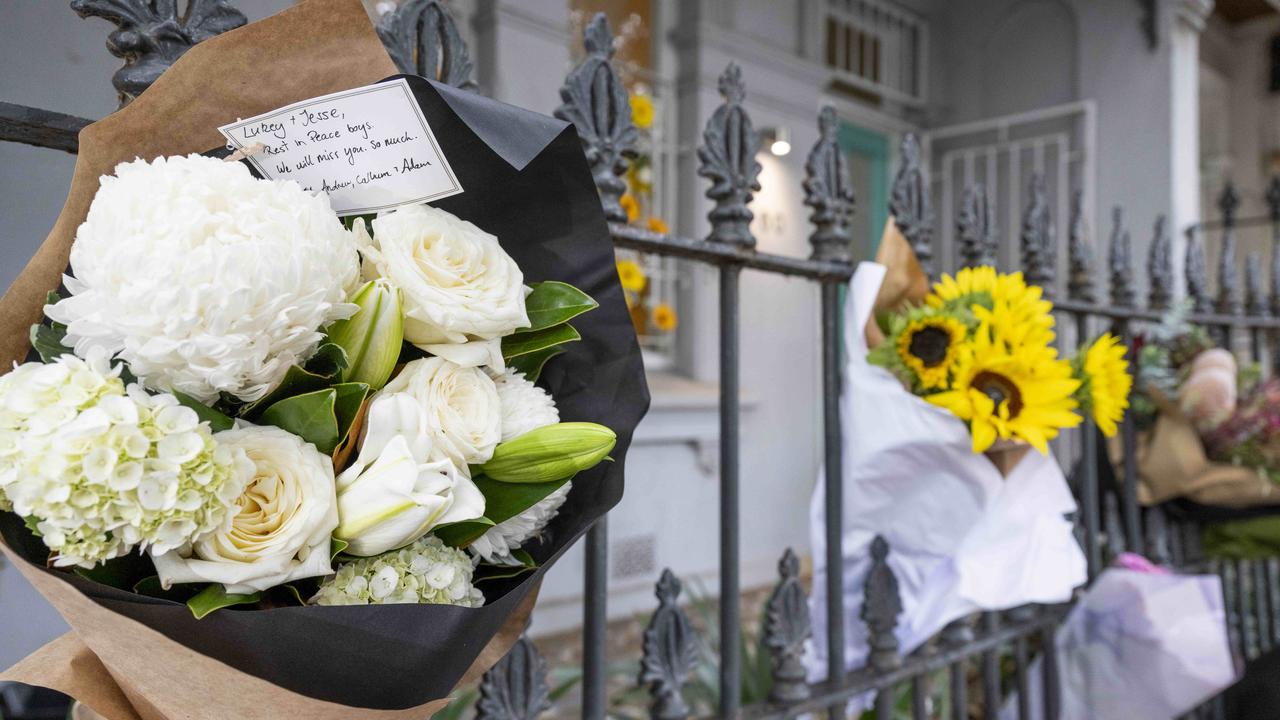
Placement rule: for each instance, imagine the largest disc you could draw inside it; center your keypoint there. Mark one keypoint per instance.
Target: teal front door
(868, 154)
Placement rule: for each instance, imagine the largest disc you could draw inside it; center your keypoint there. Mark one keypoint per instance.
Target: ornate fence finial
(150, 36)
(1228, 292)
(1255, 303)
(909, 204)
(669, 652)
(596, 102)
(1197, 273)
(1038, 255)
(1273, 205)
(881, 606)
(728, 157)
(829, 192)
(957, 632)
(422, 39)
(1160, 267)
(1120, 262)
(786, 627)
(976, 227)
(515, 688)
(1079, 255)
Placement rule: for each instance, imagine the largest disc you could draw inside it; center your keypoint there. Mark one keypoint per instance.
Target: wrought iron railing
(967, 657)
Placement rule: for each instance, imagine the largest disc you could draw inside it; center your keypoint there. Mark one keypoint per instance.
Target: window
(649, 281)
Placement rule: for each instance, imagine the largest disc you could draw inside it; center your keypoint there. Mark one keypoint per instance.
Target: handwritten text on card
(369, 148)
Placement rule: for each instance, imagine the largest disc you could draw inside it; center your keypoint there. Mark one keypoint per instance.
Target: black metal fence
(964, 671)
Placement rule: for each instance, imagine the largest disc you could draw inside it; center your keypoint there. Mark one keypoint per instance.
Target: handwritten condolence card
(369, 148)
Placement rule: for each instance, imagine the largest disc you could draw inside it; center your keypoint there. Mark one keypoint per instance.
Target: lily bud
(394, 494)
(373, 336)
(550, 453)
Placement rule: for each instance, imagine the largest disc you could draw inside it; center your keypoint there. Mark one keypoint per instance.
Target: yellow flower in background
(929, 346)
(631, 206)
(1106, 382)
(642, 111)
(664, 317)
(631, 276)
(1010, 396)
(658, 225)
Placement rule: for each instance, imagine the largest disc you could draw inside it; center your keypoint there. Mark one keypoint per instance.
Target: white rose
(394, 493)
(204, 279)
(458, 282)
(282, 524)
(462, 412)
(525, 406)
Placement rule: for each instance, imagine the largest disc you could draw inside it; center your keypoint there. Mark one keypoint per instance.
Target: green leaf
(348, 397)
(503, 501)
(32, 523)
(151, 587)
(554, 303)
(48, 342)
(462, 534)
(216, 597)
(501, 572)
(523, 343)
(531, 364)
(52, 298)
(319, 374)
(217, 421)
(336, 546)
(311, 417)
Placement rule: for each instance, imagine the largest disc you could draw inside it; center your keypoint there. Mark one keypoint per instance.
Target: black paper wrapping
(525, 180)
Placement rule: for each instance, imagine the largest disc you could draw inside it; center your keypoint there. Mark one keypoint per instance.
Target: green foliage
(323, 417)
(523, 343)
(554, 303)
(217, 421)
(531, 364)
(215, 597)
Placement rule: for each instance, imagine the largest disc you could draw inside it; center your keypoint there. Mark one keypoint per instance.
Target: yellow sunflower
(630, 206)
(664, 317)
(967, 287)
(1010, 396)
(1018, 316)
(1106, 382)
(631, 275)
(929, 346)
(642, 111)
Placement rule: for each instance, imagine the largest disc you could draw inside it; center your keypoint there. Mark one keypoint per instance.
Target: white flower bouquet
(271, 462)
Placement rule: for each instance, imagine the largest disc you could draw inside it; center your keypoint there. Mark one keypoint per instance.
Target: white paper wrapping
(1138, 646)
(962, 538)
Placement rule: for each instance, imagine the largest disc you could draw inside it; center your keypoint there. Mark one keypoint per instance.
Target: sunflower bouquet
(981, 345)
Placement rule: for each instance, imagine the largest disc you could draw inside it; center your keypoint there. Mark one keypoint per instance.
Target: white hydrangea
(496, 544)
(102, 469)
(205, 279)
(525, 406)
(424, 572)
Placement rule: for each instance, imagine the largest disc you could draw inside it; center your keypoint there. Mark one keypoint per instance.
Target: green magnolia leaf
(503, 501)
(52, 298)
(311, 417)
(48, 342)
(487, 573)
(523, 343)
(336, 546)
(216, 597)
(217, 421)
(122, 572)
(462, 534)
(319, 374)
(32, 523)
(151, 587)
(346, 405)
(531, 364)
(553, 303)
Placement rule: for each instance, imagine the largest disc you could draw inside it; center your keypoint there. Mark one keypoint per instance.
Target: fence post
(786, 628)
(422, 39)
(909, 205)
(1038, 256)
(516, 687)
(976, 228)
(670, 652)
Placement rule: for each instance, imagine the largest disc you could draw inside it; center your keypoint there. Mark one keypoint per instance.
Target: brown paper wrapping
(1172, 463)
(119, 668)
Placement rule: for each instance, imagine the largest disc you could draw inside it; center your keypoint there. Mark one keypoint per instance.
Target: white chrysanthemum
(205, 279)
(496, 544)
(102, 468)
(525, 406)
(425, 572)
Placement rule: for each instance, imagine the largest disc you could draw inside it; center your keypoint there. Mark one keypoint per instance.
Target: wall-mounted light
(777, 139)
